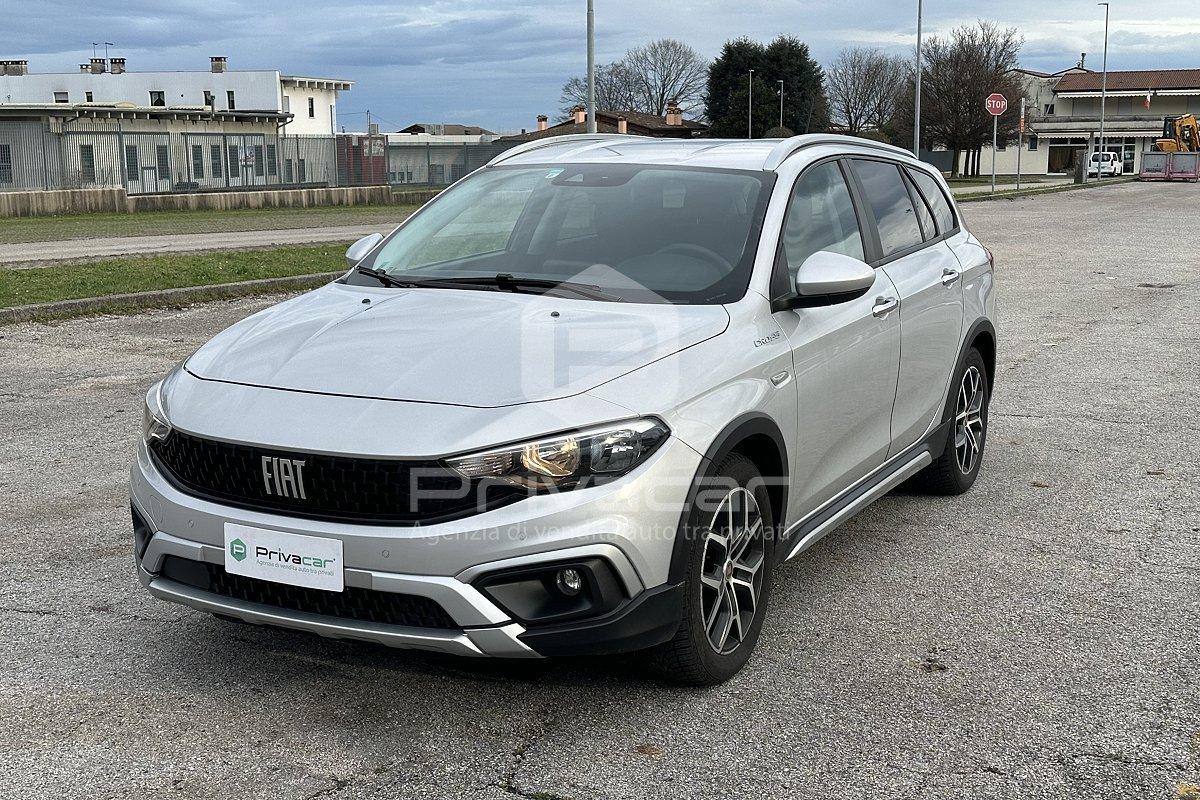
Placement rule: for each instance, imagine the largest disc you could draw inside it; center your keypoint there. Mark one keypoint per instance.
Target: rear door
(913, 253)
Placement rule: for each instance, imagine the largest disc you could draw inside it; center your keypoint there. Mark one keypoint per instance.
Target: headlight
(565, 461)
(155, 426)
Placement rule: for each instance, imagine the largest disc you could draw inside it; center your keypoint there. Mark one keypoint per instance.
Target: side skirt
(889, 476)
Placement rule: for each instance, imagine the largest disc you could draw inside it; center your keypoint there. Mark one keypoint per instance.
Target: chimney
(116, 66)
(1082, 58)
(622, 125)
(580, 115)
(14, 67)
(219, 63)
(85, 67)
(674, 115)
(542, 120)
(98, 66)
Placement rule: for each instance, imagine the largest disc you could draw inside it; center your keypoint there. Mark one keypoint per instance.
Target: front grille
(337, 488)
(362, 605)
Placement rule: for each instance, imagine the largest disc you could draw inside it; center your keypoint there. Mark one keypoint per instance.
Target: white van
(1107, 164)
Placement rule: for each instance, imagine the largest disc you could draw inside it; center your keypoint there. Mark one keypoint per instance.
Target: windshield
(639, 233)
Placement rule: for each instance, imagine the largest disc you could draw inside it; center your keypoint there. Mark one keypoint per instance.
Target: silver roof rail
(789, 147)
(569, 138)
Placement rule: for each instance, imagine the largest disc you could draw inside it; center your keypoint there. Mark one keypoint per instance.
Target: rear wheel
(730, 536)
(956, 469)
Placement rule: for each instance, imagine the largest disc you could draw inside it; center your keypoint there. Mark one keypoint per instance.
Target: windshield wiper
(389, 280)
(510, 283)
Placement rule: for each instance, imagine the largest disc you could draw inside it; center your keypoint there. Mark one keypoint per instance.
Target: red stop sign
(996, 104)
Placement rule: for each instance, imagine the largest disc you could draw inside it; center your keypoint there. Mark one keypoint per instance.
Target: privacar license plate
(313, 562)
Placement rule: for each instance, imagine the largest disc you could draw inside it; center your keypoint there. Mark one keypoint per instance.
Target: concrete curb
(161, 298)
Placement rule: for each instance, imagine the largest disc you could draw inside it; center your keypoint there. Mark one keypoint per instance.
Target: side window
(924, 215)
(937, 199)
(888, 198)
(820, 216)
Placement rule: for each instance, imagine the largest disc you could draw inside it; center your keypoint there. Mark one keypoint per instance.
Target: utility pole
(591, 66)
(1020, 142)
(750, 109)
(1103, 91)
(781, 103)
(917, 103)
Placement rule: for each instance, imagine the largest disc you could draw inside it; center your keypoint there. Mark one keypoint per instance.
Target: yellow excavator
(1180, 135)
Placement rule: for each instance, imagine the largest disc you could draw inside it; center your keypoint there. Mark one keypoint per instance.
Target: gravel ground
(1036, 638)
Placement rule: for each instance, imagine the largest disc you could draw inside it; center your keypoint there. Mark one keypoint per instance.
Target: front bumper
(629, 524)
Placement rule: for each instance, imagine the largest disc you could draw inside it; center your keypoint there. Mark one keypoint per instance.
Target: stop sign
(996, 104)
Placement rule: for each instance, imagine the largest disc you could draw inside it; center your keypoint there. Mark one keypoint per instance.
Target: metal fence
(435, 164)
(106, 154)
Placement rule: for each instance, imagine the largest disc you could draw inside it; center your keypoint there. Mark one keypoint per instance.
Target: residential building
(311, 102)
(1063, 116)
(672, 125)
(446, 129)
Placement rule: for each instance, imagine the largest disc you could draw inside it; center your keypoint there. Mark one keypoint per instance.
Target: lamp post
(917, 100)
(1103, 90)
(781, 103)
(591, 67)
(750, 109)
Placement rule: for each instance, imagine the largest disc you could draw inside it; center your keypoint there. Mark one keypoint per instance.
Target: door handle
(949, 276)
(780, 378)
(884, 306)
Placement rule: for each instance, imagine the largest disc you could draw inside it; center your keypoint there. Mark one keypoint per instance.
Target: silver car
(584, 402)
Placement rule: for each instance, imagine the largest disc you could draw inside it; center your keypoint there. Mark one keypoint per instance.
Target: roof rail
(788, 147)
(577, 138)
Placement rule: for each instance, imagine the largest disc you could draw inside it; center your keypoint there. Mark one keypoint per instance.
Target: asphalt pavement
(1038, 637)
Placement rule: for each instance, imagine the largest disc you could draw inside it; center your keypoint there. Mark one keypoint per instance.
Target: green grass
(986, 180)
(1012, 194)
(142, 274)
(160, 223)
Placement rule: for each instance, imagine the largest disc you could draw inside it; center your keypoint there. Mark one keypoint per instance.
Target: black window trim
(909, 169)
(878, 260)
(780, 291)
(916, 196)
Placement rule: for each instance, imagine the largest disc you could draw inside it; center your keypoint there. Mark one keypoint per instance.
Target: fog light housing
(561, 591)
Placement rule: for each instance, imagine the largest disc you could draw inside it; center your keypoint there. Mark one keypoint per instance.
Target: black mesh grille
(363, 605)
(365, 490)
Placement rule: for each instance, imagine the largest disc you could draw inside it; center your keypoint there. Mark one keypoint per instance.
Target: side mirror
(358, 251)
(827, 278)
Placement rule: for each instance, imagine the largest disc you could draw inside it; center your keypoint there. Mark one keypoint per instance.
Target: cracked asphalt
(1038, 637)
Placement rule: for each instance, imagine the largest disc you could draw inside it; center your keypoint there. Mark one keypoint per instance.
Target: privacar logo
(237, 549)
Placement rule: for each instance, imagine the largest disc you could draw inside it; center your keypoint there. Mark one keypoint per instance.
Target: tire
(955, 470)
(694, 657)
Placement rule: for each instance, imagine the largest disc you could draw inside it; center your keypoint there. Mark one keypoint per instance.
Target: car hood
(452, 346)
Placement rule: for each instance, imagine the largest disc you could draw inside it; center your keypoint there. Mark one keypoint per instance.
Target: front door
(845, 356)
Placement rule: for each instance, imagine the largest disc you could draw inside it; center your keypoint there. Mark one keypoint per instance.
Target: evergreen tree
(805, 107)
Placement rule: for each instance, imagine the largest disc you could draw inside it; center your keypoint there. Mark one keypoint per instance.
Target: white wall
(254, 90)
(324, 119)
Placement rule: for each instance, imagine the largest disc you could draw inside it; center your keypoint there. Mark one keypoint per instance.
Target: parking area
(1038, 637)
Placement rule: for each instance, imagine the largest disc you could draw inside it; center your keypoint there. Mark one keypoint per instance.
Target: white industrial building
(1063, 117)
(312, 102)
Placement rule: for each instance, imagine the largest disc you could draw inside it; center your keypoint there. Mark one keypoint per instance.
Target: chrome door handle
(949, 276)
(884, 306)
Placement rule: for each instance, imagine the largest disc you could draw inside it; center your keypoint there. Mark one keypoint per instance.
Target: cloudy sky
(500, 64)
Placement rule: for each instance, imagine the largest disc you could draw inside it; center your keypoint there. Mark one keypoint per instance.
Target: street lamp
(780, 103)
(917, 101)
(1103, 90)
(591, 67)
(750, 109)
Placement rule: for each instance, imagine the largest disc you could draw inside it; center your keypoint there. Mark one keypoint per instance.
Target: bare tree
(864, 87)
(645, 80)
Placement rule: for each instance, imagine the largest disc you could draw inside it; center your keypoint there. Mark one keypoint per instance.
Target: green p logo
(237, 549)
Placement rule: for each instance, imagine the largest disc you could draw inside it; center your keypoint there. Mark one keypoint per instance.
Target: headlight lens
(155, 426)
(566, 461)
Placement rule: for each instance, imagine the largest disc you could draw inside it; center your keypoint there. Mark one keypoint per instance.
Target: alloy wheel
(731, 571)
(968, 420)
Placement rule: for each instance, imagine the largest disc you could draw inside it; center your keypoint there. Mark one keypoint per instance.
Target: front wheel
(730, 537)
(955, 470)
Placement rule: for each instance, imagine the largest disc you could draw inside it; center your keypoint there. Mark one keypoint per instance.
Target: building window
(287, 104)
(272, 164)
(197, 161)
(301, 171)
(214, 159)
(260, 168)
(209, 100)
(158, 98)
(87, 97)
(234, 162)
(1032, 143)
(131, 163)
(1001, 144)
(312, 108)
(163, 161)
(229, 103)
(6, 170)
(287, 170)
(61, 97)
(1048, 109)
(87, 163)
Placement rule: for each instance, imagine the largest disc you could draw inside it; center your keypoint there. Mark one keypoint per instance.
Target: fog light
(569, 582)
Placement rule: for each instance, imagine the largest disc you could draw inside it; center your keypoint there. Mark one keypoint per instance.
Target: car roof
(750, 154)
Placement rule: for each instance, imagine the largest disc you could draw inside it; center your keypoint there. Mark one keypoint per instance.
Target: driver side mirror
(358, 251)
(826, 278)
